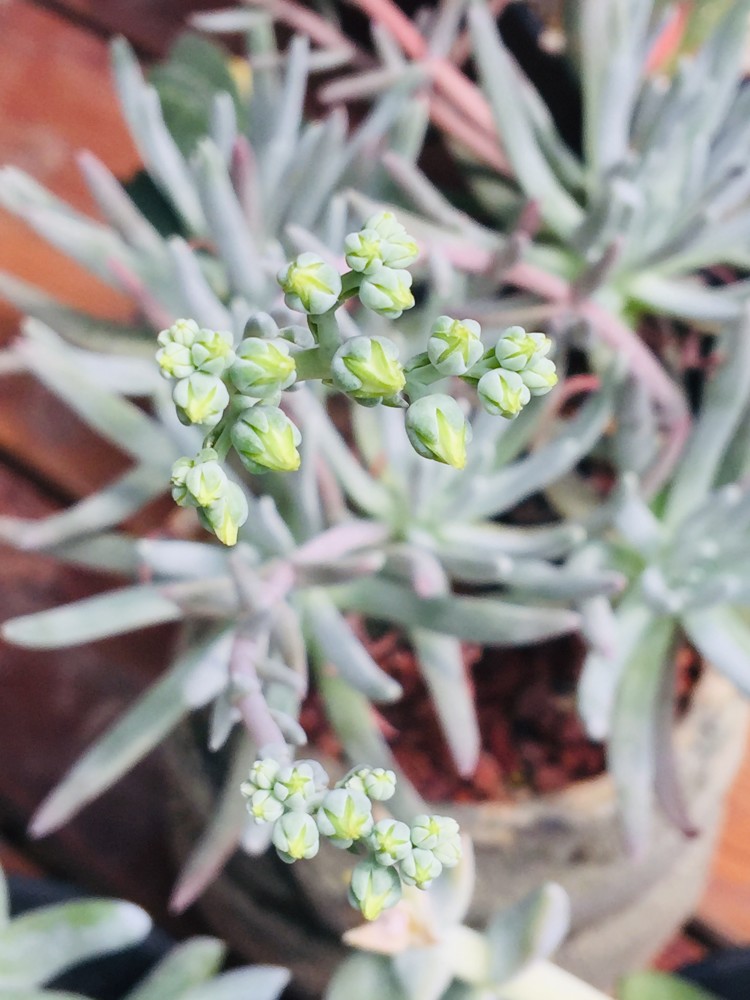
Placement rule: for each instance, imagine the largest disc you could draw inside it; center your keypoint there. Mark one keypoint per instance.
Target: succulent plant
(685, 555)
(422, 949)
(38, 946)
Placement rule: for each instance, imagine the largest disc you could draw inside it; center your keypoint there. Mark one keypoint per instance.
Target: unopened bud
(263, 368)
(295, 836)
(310, 285)
(368, 369)
(455, 345)
(503, 392)
(345, 815)
(186, 349)
(387, 291)
(420, 867)
(438, 430)
(266, 439)
(390, 841)
(374, 888)
(516, 348)
(226, 515)
(200, 399)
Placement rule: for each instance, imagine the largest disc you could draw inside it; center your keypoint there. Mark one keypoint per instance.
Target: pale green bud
(264, 807)
(438, 430)
(345, 815)
(295, 836)
(503, 392)
(379, 783)
(516, 348)
(363, 251)
(260, 324)
(295, 785)
(368, 369)
(455, 345)
(199, 481)
(441, 835)
(263, 773)
(420, 868)
(310, 285)
(200, 399)
(186, 349)
(540, 376)
(373, 889)
(227, 514)
(390, 841)
(265, 438)
(387, 291)
(263, 367)
(398, 249)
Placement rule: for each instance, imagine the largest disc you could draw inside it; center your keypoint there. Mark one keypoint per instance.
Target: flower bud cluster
(297, 799)
(235, 392)
(518, 368)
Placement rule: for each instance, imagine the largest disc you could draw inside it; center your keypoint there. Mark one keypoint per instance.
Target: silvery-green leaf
(92, 618)
(724, 399)
(516, 130)
(506, 488)
(104, 509)
(528, 932)
(107, 551)
(476, 619)
(342, 650)
(222, 836)
(543, 542)
(224, 214)
(631, 756)
(194, 680)
(116, 419)
(604, 668)
(366, 977)
(187, 964)
(424, 973)
(176, 559)
(201, 302)
(351, 716)
(687, 299)
(441, 663)
(722, 636)
(262, 982)
(40, 945)
(660, 986)
(546, 580)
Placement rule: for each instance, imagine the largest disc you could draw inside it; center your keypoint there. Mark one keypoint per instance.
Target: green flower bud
(260, 324)
(373, 889)
(387, 291)
(455, 345)
(295, 836)
(265, 438)
(397, 248)
(264, 807)
(200, 399)
(263, 367)
(439, 834)
(295, 785)
(540, 376)
(379, 784)
(199, 481)
(368, 369)
(186, 349)
(516, 348)
(390, 841)
(227, 514)
(420, 868)
(263, 773)
(345, 815)
(503, 392)
(310, 285)
(438, 430)
(364, 251)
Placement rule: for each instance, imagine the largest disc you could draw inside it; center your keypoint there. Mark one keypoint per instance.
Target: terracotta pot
(624, 911)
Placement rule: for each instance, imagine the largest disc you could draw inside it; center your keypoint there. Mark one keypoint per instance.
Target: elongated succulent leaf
(722, 636)
(188, 964)
(367, 977)
(263, 982)
(194, 680)
(221, 837)
(441, 663)
(478, 619)
(38, 946)
(337, 643)
(632, 747)
(528, 932)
